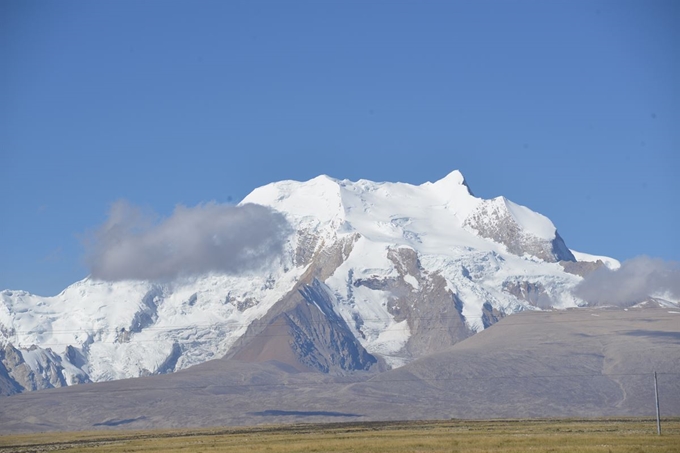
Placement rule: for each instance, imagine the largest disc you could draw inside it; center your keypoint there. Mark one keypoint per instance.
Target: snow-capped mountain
(373, 275)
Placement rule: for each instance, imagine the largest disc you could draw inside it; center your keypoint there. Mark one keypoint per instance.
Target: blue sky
(569, 107)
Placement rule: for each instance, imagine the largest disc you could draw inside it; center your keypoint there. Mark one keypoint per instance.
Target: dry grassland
(508, 436)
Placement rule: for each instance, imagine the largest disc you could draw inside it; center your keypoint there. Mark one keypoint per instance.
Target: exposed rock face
(169, 364)
(322, 337)
(307, 245)
(532, 292)
(491, 315)
(433, 311)
(309, 336)
(8, 385)
(148, 312)
(493, 220)
(297, 332)
(16, 375)
(581, 268)
(421, 300)
(437, 321)
(76, 358)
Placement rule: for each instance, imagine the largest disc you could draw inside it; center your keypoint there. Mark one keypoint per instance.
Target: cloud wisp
(210, 237)
(636, 280)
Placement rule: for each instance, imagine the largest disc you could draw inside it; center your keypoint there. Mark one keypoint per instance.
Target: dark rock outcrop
(581, 268)
(17, 376)
(309, 337)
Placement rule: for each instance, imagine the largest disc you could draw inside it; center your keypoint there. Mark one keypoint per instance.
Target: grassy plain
(508, 436)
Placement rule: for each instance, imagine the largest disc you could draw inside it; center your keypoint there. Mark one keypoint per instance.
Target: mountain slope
(571, 363)
(407, 271)
(310, 336)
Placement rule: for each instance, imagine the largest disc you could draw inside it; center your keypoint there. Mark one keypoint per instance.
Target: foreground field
(510, 436)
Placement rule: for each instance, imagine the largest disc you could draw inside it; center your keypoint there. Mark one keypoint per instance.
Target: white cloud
(196, 240)
(636, 280)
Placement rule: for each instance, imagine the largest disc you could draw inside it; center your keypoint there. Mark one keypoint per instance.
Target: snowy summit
(394, 271)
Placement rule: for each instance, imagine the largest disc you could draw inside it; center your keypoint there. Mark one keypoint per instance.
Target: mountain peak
(319, 197)
(455, 177)
(452, 182)
(423, 217)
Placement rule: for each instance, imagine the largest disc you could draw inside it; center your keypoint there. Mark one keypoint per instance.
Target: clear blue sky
(569, 107)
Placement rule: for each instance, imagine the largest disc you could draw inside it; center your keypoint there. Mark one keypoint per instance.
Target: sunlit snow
(132, 328)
